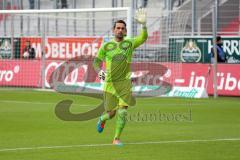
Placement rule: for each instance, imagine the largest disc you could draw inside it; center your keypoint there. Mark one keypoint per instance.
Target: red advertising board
(26, 73)
(200, 75)
(78, 72)
(62, 48)
(20, 73)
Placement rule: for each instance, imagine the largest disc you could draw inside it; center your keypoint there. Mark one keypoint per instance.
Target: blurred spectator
(221, 56)
(144, 3)
(28, 51)
(62, 4)
(32, 4)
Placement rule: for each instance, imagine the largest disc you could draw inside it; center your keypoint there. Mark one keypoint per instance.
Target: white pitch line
(130, 143)
(40, 103)
(52, 103)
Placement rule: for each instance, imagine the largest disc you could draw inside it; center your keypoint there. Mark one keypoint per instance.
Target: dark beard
(120, 36)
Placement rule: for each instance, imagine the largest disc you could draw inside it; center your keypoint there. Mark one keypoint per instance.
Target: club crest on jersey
(110, 46)
(125, 45)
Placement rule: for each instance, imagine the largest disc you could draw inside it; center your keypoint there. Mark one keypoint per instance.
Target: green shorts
(118, 94)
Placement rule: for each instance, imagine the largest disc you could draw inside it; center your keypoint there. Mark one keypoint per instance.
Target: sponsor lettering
(7, 75)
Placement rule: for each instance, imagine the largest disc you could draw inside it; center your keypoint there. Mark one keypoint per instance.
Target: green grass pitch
(157, 129)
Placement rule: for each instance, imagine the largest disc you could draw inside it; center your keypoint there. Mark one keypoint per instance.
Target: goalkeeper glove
(101, 75)
(141, 16)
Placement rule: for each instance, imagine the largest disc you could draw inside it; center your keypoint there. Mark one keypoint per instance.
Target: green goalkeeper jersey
(118, 57)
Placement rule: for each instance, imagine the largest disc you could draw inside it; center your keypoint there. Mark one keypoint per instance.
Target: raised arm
(141, 18)
(140, 39)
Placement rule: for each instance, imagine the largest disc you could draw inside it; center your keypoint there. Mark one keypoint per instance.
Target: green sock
(105, 117)
(120, 123)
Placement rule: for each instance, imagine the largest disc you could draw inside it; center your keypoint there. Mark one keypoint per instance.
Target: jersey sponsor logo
(124, 45)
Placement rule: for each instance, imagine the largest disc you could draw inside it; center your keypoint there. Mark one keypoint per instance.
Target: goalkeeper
(117, 54)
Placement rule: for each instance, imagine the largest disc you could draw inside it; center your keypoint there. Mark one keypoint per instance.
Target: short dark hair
(218, 38)
(119, 21)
